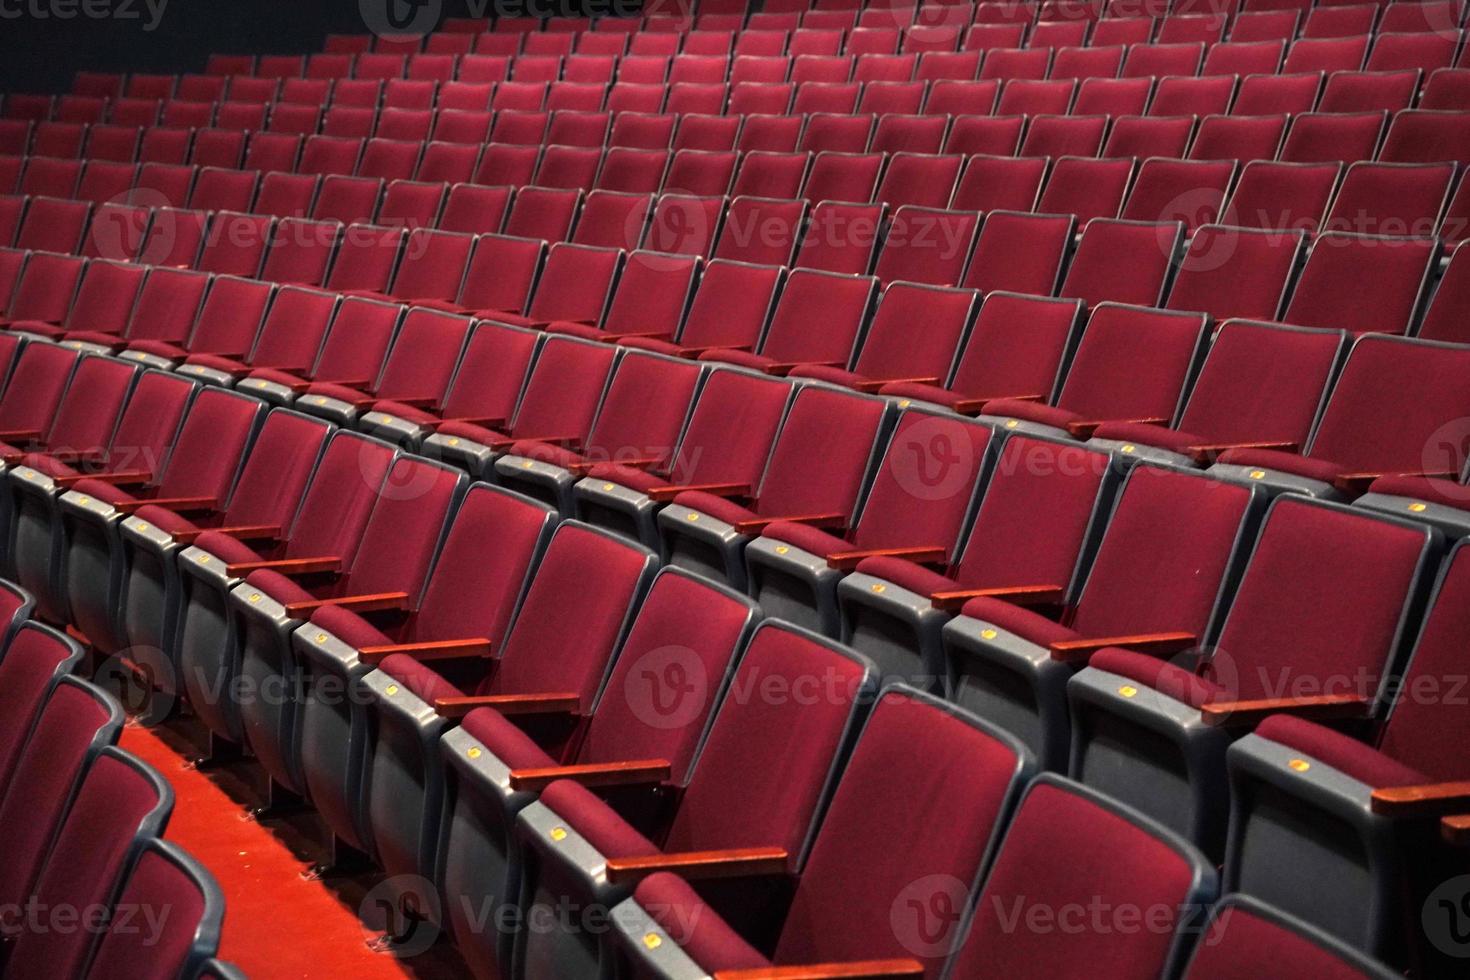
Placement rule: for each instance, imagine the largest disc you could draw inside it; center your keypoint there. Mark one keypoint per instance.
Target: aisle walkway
(277, 924)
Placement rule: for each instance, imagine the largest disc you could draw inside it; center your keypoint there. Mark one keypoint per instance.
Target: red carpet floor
(277, 924)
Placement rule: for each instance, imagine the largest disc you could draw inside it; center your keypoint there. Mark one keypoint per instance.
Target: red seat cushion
(49, 465)
(1342, 753)
(279, 377)
(1148, 435)
(653, 344)
(923, 393)
(907, 575)
(832, 375)
(102, 491)
(349, 627)
(159, 348)
(545, 452)
(1446, 493)
(575, 328)
(1273, 459)
(742, 357)
(595, 820)
(809, 539)
(505, 740)
(680, 912)
(1160, 675)
(470, 432)
(164, 519)
(717, 507)
(627, 476)
(95, 337)
(339, 392)
(227, 549)
(227, 364)
(278, 586)
(1016, 408)
(1013, 619)
(423, 681)
(406, 412)
(40, 327)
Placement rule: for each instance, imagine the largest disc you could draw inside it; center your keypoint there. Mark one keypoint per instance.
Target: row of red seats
(403, 836)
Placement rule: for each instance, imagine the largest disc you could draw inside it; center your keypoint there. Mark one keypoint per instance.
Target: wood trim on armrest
(21, 435)
(741, 862)
(1427, 800)
(873, 385)
(287, 566)
(632, 773)
(180, 505)
(664, 494)
(831, 522)
(1359, 482)
(846, 561)
(855, 970)
(423, 652)
(560, 703)
(368, 602)
(1084, 428)
(1158, 644)
(1324, 707)
(117, 478)
(1209, 452)
(1020, 595)
(1456, 830)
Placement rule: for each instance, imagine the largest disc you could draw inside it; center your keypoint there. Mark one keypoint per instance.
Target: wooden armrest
(695, 352)
(314, 565)
(21, 435)
(1358, 482)
(1427, 800)
(1084, 428)
(1158, 644)
(244, 532)
(435, 650)
(1325, 707)
(561, 703)
(1020, 595)
(582, 466)
(755, 525)
(846, 561)
(976, 406)
(1456, 830)
(632, 773)
(873, 385)
(662, 494)
(1210, 452)
(789, 366)
(117, 478)
(741, 862)
(179, 505)
(369, 602)
(855, 970)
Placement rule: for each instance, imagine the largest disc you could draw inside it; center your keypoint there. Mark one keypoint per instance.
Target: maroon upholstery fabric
(505, 740)
(809, 539)
(1149, 435)
(1015, 619)
(1339, 751)
(595, 820)
(349, 627)
(1030, 412)
(1271, 459)
(224, 547)
(1061, 851)
(698, 929)
(154, 883)
(1446, 493)
(1160, 675)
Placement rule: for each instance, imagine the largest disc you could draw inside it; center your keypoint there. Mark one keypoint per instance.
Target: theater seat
(684, 620)
(838, 901)
(736, 798)
(1247, 937)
